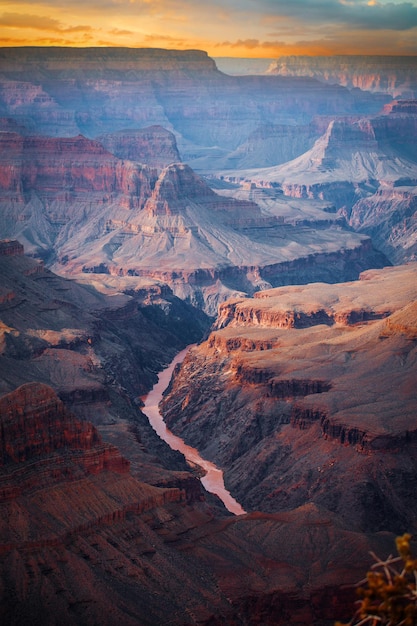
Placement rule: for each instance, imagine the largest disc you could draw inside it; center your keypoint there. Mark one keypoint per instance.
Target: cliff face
(64, 170)
(389, 217)
(154, 146)
(285, 388)
(394, 75)
(95, 91)
(65, 497)
(97, 344)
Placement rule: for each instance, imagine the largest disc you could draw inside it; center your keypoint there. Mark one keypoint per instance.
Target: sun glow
(233, 29)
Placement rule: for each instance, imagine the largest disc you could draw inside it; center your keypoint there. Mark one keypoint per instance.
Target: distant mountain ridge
(395, 75)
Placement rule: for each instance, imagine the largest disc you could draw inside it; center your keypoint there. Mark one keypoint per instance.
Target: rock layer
(92, 91)
(72, 202)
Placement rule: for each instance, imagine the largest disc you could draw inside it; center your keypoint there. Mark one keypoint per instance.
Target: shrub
(388, 595)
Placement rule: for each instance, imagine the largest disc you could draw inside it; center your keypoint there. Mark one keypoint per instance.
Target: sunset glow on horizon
(238, 28)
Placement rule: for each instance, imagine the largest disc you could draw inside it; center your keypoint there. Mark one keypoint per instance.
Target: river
(213, 477)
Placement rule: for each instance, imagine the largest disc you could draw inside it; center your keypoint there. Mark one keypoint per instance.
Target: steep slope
(268, 145)
(389, 216)
(307, 394)
(154, 146)
(53, 185)
(207, 246)
(350, 153)
(98, 346)
(82, 542)
(62, 493)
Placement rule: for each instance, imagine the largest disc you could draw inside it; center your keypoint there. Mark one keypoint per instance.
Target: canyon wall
(366, 168)
(305, 395)
(63, 92)
(92, 535)
(283, 397)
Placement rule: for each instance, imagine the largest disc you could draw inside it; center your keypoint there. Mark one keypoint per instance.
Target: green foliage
(388, 595)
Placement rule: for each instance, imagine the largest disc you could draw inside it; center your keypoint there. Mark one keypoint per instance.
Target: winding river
(213, 477)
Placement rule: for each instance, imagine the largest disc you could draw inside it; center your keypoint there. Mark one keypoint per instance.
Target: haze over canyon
(151, 199)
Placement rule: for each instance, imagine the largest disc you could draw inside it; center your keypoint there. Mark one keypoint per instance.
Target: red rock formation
(10, 248)
(85, 542)
(35, 424)
(65, 168)
(154, 146)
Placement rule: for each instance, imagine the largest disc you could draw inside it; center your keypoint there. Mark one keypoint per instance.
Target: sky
(238, 28)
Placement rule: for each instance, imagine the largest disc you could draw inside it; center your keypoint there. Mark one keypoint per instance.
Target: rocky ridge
(93, 91)
(90, 536)
(366, 168)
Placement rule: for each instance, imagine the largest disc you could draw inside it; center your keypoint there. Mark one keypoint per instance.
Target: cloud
(39, 22)
(17, 20)
(120, 31)
(362, 14)
(238, 27)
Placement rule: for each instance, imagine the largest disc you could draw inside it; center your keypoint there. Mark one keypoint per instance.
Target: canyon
(94, 533)
(283, 384)
(85, 210)
(366, 168)
(149, 201)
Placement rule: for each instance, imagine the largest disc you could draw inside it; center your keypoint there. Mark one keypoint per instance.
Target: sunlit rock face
(307, 394)
(395, 75)
(92, 534)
